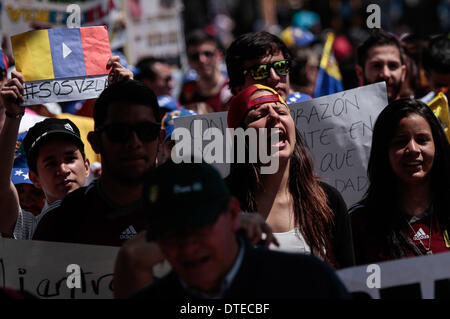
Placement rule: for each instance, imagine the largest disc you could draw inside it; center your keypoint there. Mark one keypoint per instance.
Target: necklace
(427, 249)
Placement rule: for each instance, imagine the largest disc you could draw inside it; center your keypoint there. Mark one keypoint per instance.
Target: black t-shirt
(85, 216)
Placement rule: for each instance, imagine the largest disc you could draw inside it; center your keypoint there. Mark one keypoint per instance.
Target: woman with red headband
(306, 215)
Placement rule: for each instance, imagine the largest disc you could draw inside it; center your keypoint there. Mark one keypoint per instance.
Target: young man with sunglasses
(259, 58)
(210, 92)
(108, 211)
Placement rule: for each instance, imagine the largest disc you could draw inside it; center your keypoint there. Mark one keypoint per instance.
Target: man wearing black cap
(56, 161)
(194, 220)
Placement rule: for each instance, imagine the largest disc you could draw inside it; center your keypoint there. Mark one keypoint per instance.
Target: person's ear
(360, 74)
(403, 72)
(234, 210)
(87, 166)
(35, 179)
(94, 140)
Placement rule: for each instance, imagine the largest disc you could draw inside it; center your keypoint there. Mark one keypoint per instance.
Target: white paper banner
(40, 268)
(410, 278)
(60, 90)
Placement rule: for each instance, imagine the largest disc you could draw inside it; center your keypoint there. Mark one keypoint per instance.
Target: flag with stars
(61, 53)
(19, 173)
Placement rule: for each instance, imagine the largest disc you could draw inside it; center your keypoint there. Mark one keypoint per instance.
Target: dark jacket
(264, 274)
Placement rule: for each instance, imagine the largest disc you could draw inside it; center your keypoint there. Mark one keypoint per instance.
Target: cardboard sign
(41, 268)
(62, 64)
(154, 28)
(337, 128)
(410, 278)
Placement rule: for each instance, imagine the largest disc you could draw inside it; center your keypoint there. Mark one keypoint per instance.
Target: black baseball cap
(182, 197)
(49, 127)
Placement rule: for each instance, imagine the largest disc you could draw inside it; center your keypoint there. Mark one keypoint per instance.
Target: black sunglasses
(262, 71)
(121, 132)
(196, 56)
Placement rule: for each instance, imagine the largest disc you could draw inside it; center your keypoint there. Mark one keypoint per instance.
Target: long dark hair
(312, 214)
(385, 219)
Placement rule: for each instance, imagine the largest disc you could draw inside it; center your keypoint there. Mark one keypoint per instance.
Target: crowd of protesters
(207, 227)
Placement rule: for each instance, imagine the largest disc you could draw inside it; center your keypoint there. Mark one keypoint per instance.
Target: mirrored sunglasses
(121, 132)
(261, 71)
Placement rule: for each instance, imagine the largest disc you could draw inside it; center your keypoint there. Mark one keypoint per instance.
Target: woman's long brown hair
(312, 214)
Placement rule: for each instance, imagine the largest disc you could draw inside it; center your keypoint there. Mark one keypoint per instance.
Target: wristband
(14, 116)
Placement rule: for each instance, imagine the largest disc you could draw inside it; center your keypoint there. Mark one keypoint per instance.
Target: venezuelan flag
(61, 53)
(329, 79)
(439, 106)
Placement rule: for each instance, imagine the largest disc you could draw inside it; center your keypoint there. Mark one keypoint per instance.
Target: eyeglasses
(261, 71)
(121, 132)
(196, 55)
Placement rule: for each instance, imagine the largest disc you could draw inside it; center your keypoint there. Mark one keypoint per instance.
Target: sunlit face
(203, 257)
(163, 83)
(273, 115)
(383, 63)
(279, 83)
(411, 151)
(61, 169)
(204, 58)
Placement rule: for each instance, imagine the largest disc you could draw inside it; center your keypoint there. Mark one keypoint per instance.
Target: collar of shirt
(227, 280)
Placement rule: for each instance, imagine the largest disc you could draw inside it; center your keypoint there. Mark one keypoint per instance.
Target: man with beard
(108, 211)
(380, 58)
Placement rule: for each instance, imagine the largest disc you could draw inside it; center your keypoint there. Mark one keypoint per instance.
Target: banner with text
(424, 277)
(47, 269)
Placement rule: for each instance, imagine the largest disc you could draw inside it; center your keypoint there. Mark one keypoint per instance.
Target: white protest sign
(60, 90)
(410, 278)
(154, 28)
(199, 139)
(337, 128)
(338, 131)
(41, 268)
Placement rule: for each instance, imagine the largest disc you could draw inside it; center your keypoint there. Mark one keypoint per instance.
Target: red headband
(241, 103)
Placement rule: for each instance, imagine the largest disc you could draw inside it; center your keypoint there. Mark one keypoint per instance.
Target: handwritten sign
(45, 91)
(40, 268)
(410, 278)
(337, 128)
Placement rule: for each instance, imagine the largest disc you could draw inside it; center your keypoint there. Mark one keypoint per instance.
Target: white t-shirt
(26, 222)
(292, 242)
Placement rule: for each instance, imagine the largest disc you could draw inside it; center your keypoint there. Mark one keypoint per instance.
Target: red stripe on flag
(96, 49)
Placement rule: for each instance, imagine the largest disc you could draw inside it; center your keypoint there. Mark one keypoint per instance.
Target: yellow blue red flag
(61, 53)
(329, 79)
